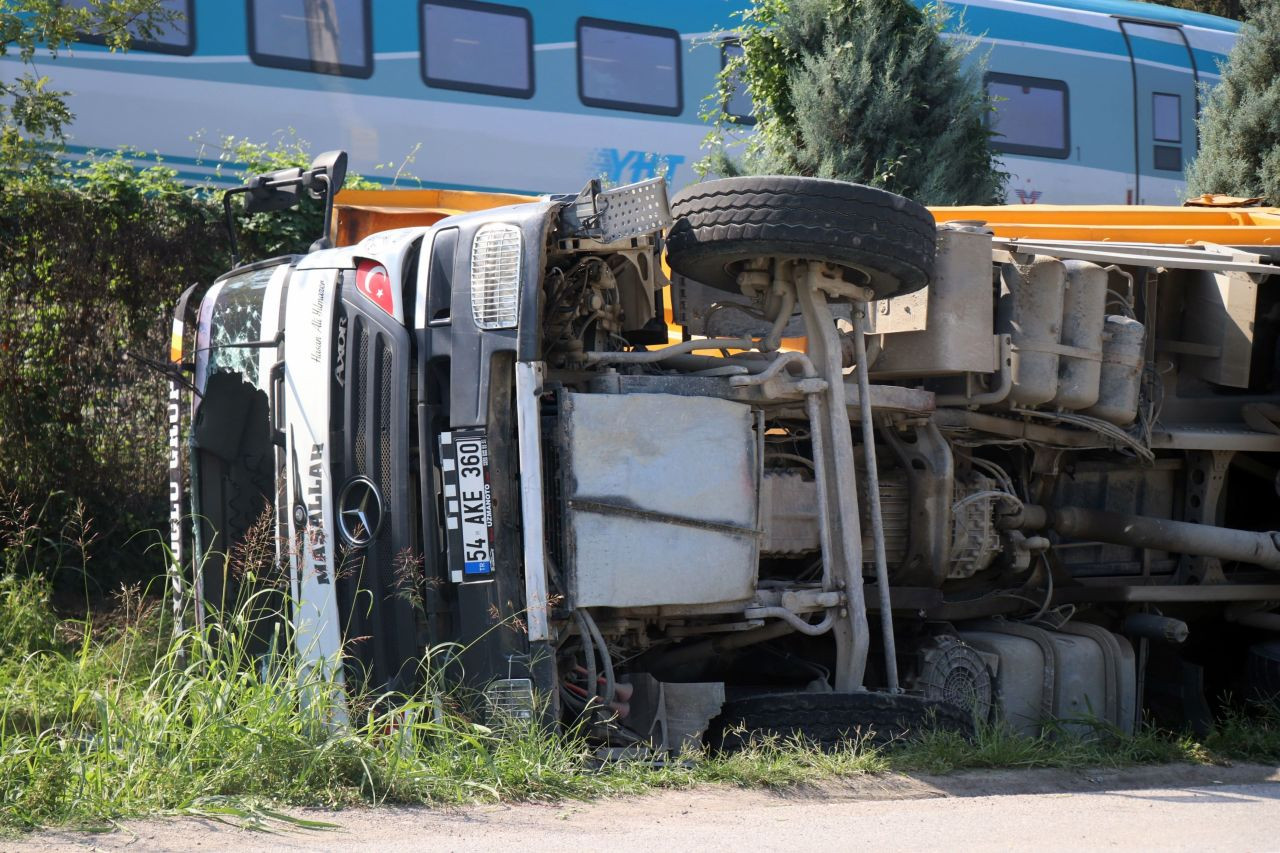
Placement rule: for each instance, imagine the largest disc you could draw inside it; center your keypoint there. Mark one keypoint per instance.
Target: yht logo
(1028, 196)
(629, 167)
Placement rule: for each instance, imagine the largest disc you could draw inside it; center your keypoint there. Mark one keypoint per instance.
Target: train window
(321, 36)
(178, 36)
(477, 47)
(629, 67)
(1166, 117)
(1166, 126)
(737, 107)
(1031, 115)
(1167, 158)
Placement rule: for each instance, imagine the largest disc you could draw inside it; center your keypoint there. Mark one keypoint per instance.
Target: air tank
(1084, 308)
(1030, 312)
(1121, 375)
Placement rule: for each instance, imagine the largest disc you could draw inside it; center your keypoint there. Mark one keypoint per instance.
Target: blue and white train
(1097, 98)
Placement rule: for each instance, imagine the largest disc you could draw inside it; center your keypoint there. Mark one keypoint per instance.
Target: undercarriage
(1007, 491)
(840, 468)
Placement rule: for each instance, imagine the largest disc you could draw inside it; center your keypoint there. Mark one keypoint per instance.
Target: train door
(1164, 89)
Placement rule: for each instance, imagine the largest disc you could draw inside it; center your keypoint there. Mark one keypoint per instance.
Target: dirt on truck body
(780, 454)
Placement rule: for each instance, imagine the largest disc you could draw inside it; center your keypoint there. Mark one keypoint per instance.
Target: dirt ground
(1167, 808)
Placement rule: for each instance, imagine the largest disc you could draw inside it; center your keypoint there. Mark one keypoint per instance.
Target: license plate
(468, 505)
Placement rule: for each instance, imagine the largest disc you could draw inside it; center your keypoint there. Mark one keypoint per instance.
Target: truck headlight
(495, 277)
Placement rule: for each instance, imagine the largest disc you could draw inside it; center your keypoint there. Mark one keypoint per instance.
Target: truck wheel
(887, 242)
(830, 719)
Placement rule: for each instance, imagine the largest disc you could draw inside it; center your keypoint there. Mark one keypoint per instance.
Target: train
(1095, 100)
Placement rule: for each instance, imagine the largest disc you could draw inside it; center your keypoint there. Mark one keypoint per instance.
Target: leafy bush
(92, 259)
(1240, 123)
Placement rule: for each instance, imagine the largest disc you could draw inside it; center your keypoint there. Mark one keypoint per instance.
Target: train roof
(1119, 8)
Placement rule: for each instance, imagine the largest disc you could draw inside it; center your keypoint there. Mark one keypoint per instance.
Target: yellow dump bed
(359, 213)
(1234, 226)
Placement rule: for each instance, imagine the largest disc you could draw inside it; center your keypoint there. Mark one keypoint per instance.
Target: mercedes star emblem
(359, 512)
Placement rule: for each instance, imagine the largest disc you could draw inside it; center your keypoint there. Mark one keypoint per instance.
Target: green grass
(996, 747)
(125, 719)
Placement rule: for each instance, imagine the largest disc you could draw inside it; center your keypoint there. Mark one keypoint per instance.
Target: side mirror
(282, 189)
(273, 191)
(333, 166)
(323, 180)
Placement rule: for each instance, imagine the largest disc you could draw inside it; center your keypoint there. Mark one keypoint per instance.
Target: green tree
(1240, 123)
(859, 90)
(32, 114)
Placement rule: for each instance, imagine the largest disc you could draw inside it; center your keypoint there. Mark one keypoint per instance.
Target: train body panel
(1104, 85)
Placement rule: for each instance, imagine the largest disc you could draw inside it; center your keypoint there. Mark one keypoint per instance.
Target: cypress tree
(864, 91)
(1240, 123)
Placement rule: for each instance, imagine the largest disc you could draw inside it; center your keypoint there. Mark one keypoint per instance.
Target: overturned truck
(834, 466)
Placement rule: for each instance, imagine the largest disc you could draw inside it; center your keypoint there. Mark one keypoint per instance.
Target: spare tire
(831, 719)
(886, 241)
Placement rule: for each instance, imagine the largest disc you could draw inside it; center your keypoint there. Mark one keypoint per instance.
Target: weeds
(128, 716)
(998, 746)
(1248, 737)
(149, 722)
(95, 725)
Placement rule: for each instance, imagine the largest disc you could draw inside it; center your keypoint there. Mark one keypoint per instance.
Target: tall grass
(140, 720)
(124, 716)
(135, 719)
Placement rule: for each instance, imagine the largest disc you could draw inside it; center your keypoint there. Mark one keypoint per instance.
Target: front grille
(360, 403)
(384, 419)
(378, 588)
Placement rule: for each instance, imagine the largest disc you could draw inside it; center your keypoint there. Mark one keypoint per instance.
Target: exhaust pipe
(1141, 531)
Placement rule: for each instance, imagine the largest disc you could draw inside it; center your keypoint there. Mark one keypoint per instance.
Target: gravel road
(1162, 809)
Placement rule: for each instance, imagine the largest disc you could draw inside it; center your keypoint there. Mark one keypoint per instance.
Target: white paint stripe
(139, 56)
(690, 37)
(450, 490)
(447, 465)
(1168, 35)
(1075, 51)
(1098, 20)
(446, 438)
(1214, 41)
(1199, 36)
(452, 522)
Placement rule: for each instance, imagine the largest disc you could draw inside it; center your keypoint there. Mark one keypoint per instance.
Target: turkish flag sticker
(373, 281)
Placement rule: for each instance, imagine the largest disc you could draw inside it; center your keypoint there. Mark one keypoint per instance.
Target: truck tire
(830, 719)
(887, 241)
